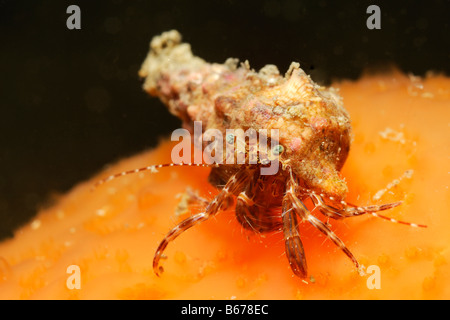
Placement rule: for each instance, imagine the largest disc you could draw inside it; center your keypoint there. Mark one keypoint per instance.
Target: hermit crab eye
(230, 138)
(278, 149)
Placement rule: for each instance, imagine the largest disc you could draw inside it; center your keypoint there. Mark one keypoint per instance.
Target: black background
(71, 101)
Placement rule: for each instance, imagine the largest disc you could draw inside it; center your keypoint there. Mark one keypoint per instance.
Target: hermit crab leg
(249, 213)
(245, 201)
(304, 214)
(294, 247)
(350, 210)
(236, 182)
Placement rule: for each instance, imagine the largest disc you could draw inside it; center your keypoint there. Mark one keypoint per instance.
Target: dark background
(71, 101)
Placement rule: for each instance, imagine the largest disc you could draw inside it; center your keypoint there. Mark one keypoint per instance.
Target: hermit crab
(311, 145)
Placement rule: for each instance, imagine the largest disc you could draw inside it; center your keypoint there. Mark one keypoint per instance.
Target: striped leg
(152, 169)
(304, 214)
(175, 232)
(236, 182)
(349, 210)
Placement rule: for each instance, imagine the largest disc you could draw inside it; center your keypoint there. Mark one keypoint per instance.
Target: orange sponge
(99, 244)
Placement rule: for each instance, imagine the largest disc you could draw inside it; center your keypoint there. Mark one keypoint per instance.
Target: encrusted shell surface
(313, 124)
